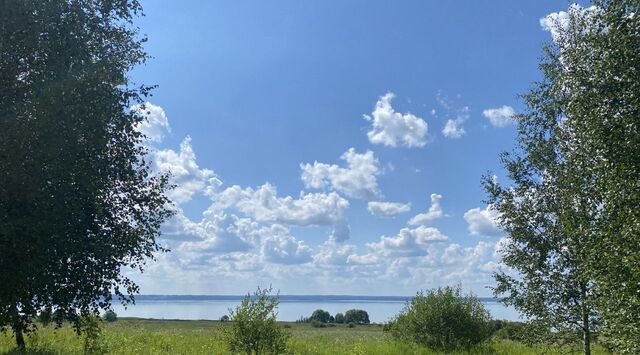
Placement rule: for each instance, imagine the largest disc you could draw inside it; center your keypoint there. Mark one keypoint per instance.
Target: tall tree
(78, 203)
(601, 59)
(573, 212)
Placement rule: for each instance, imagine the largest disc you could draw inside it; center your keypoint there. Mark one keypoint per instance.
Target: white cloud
(408, 242)
(501, 116)
(357, 180)
(282, 248)
(217, 232)
(309, 209)
(333, 253)
(453, 128)
(188, 177)
(392, 128)
(456, 115)
(155, 124)
(482, 222)
(434, 212)
(387, 209)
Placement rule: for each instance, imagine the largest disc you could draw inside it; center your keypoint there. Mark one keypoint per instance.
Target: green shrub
(351, 325)
(46, 316)
(317, 324)
(443, 319)
(339, 318)
(110, 316)
(507, 330)
(91, 328)
(357, 316)
(320, 315)
(253, 328)
(224, 318)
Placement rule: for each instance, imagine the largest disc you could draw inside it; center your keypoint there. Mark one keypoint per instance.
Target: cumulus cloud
(408, 242)
(387, 209)
(434, 212)
(282, 248)
(333, 253)
(155, 123)
(309, 209)
(357, 180)
(482, 222)
(501, 116)
(185, 173)
(264, 204)
(217, 232)
(392, 128)
(453, 128)
(456, 115)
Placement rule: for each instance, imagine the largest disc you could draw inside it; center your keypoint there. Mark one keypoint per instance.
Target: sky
(334, 147)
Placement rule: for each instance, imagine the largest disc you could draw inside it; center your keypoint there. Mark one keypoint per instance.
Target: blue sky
(304, 137)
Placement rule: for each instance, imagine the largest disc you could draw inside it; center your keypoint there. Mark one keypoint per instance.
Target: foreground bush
(253, 328)
(443, 319)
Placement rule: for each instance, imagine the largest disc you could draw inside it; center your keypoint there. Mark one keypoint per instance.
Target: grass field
(139, 336)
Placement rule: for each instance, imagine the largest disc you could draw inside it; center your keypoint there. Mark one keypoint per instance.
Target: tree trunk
(586, 327)
(17, 330)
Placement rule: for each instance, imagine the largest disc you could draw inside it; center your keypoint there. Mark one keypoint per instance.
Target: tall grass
(131, 336)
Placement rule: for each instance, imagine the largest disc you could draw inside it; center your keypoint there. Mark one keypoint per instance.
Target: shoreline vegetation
(155, 336)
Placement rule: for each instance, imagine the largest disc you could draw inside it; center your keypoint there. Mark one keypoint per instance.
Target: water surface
(291, 308)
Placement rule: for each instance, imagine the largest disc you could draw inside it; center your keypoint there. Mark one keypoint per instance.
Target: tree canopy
(572, 211)
(78, 203)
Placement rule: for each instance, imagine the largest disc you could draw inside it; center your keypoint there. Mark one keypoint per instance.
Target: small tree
(110, 316)
(254, 329)
(443, 319)
(357, 316)
(224, 318)
(321, 316)
(339, 318)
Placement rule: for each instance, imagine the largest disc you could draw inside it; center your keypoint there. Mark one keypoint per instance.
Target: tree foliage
(321, 316)
(356, 316)
(253, 328)
(443, 319)
(78, 203)
(573, 210)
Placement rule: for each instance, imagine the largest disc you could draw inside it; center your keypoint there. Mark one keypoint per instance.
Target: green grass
(140, 336)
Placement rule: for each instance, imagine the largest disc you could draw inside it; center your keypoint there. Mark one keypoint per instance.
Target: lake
(291, 308)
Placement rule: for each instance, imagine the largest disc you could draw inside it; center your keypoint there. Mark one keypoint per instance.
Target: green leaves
(443, 319)
(77, 199)
(253, 328)
(573, 209)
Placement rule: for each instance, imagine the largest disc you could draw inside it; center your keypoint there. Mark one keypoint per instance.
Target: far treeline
(79, 204)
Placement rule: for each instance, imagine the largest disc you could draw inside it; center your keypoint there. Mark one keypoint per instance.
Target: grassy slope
(136, 336)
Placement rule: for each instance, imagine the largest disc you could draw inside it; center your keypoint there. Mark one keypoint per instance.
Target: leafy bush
(110, 316)
(339, 318)
(351, 325)
(224, 318)
(506, 330)
(94, 342)
(443, 319)
(253, 328)
(46, 316)
(321, 316)
(317, 324)
(357, 316)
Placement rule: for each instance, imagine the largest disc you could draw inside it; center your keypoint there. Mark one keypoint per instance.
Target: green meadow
(142, 336)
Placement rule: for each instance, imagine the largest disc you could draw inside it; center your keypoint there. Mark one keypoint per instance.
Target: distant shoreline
(289, 298)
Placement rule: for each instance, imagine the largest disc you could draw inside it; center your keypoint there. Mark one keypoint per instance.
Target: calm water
(291, 308)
